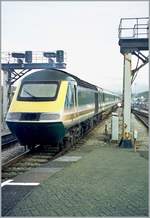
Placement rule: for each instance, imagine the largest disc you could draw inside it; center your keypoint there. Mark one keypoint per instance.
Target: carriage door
(73, 98)
(96, 102)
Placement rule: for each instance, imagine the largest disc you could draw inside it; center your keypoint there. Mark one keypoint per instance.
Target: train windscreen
(38, 91)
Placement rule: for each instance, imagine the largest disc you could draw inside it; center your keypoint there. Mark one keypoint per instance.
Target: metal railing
(133, 28)
(37, 57)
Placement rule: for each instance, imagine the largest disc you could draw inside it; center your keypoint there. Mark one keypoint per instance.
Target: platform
(95, 179)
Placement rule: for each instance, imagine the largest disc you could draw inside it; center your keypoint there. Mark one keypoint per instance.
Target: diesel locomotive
(50, 106)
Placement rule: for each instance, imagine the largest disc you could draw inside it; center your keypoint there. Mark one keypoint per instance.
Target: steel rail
(7, 140)
(142, 117)
(15, 159)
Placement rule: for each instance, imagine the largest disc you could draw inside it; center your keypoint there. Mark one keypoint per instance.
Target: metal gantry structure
(133, 40)
(17, 64)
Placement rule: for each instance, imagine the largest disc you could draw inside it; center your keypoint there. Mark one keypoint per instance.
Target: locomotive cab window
(38, 91)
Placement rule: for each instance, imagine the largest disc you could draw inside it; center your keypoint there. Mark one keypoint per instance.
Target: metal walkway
(133, 34)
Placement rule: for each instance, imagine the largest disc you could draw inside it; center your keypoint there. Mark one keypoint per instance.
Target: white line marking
(9, 182)
(24, 183)
(6, 182)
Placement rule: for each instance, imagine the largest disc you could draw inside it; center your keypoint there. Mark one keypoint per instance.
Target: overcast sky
(86, 31)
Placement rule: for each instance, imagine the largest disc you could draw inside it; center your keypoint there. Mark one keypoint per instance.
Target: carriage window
(85, 96)
(38, 91)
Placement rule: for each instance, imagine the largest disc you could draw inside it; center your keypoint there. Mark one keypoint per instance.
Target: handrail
(133, 28)
(37, 57)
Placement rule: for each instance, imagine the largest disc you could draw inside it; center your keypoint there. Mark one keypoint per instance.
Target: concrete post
(127, 100)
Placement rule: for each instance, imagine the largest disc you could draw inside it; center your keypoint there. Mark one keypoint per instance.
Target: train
(140, 101)
(51, 106)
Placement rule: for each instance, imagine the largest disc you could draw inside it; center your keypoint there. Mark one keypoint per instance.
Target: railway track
(7, 140)
(29, 159)
(15, 159)
(142, 116)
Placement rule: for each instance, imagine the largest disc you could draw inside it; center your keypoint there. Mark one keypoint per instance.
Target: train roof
(105, 91)
(55, 74)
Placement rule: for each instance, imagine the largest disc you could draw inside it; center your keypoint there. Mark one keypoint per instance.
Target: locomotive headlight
(13, 116)
(49, 116)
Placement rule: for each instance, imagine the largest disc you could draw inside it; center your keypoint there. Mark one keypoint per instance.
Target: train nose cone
(37, 133)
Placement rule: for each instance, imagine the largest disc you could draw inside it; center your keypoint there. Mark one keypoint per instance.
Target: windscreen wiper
(29, 94)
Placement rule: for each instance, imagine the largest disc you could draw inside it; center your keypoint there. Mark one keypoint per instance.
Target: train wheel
(72, 140)
(66, 142)
(60, 145)
(91, 124)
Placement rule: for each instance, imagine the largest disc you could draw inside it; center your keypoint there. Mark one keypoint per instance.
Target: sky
(86, 31)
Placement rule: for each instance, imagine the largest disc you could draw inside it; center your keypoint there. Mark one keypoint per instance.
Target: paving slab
(9, 193)
(38, 174)
(68, 159)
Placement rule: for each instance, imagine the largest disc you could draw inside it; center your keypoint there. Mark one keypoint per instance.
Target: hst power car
(50, 105)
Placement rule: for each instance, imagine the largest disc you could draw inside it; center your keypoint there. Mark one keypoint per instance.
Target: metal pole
(127, 101)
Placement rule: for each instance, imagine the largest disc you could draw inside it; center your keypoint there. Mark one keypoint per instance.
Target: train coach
(50, 106)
